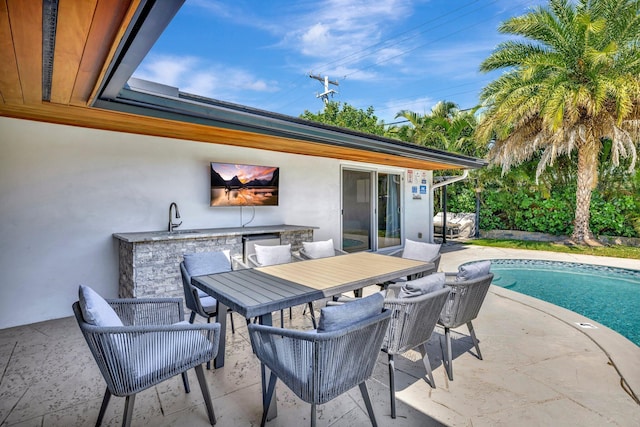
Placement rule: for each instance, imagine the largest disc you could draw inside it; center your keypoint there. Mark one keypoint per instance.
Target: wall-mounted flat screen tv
(235, 184)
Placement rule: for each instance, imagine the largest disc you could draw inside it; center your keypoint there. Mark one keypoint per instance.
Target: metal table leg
(266, 319)
(221, 317)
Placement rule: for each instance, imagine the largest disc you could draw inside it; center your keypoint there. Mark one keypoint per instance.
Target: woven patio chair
(198, 264)
(469, 287)
(412, 322)
(273, 255)
(196, 300)
(319, 366)
(142, 343)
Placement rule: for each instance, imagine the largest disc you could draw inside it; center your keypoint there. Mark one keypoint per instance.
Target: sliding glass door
(371, 210)
(356, 210)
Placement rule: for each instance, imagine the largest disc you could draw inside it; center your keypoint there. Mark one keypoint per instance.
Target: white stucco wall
(64, 190)
(418, 206)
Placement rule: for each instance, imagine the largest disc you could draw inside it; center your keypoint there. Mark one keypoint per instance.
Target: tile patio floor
(539, 369)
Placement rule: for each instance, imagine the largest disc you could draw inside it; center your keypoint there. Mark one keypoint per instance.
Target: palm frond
(572, 80)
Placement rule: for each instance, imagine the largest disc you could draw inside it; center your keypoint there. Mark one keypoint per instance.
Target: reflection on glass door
(356, 210)
(389, 210)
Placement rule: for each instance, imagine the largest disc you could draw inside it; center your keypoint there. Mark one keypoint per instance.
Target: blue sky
(389, 54)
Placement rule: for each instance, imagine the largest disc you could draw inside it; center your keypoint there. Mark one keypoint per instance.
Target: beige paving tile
(557, 412)
(538, 370)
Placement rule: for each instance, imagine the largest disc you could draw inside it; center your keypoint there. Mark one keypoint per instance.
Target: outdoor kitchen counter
(149, 261)
(200, 233)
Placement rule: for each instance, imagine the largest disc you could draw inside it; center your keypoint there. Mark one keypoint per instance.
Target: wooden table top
(332, 272)
(257, 291)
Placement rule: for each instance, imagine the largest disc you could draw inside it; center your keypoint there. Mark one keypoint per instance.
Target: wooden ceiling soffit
(21, 51)
(77, 42)
(10, 89)
(111, 19)
(135, 124)
(73, 23)
(86, 33)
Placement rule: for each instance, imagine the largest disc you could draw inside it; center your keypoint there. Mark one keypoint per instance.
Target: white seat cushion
(271, 255)
(322, 249)
(420, 251)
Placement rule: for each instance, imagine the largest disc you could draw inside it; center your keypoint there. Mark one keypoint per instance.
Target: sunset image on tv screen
(244, 185)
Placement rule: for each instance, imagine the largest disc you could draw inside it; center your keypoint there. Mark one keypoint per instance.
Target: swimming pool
(608, 295)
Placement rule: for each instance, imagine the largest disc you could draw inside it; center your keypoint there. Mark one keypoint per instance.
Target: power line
(413, 100)
(430, 42)
(339, 61)
(424, 44)
(343, 61)
(407, 121)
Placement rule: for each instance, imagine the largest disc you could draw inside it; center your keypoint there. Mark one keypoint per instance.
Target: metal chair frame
(320, 366)
(462, 306)
(154, 345)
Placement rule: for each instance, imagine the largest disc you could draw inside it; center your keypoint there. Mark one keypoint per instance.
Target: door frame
(374, 170)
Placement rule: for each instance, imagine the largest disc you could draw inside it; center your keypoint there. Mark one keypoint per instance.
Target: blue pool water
(608, 295)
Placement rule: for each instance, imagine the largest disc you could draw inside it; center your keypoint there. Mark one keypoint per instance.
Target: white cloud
(341, 30)
(391, 107)
(168, 70)
(201, 83)
(316, 41)
(341, 37)
(366, 45)
(193, 75)
(420, 105)
(214, 7)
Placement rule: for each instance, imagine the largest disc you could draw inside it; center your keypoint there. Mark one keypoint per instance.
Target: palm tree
(572, 85)
(445, 127)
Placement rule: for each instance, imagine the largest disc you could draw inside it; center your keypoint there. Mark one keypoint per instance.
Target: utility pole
(325, 95)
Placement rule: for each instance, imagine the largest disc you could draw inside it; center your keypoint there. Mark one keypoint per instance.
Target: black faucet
(172, 225)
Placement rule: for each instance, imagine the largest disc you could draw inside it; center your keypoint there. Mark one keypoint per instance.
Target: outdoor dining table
(257, 292)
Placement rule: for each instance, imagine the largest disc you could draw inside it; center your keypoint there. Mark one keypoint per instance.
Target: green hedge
(535, 209)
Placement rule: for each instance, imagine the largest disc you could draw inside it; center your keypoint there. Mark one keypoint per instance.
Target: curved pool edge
(621, 352)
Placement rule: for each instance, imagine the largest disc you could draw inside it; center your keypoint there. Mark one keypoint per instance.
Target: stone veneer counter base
(149, 262)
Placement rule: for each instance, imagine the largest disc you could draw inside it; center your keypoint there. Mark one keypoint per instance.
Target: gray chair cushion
(201, 263)
(208, 303)
(271, 255)
(95, 309)
(422, 285)
(322, 249)
(337, 317)
(420, 251)
(473, 270)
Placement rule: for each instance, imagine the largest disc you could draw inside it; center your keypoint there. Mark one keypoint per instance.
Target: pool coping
(622, 352)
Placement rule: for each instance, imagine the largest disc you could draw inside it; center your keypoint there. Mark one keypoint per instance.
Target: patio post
(477, 230)
(444, 214)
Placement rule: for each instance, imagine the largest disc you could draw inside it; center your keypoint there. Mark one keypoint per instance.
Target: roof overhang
(71, 64)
